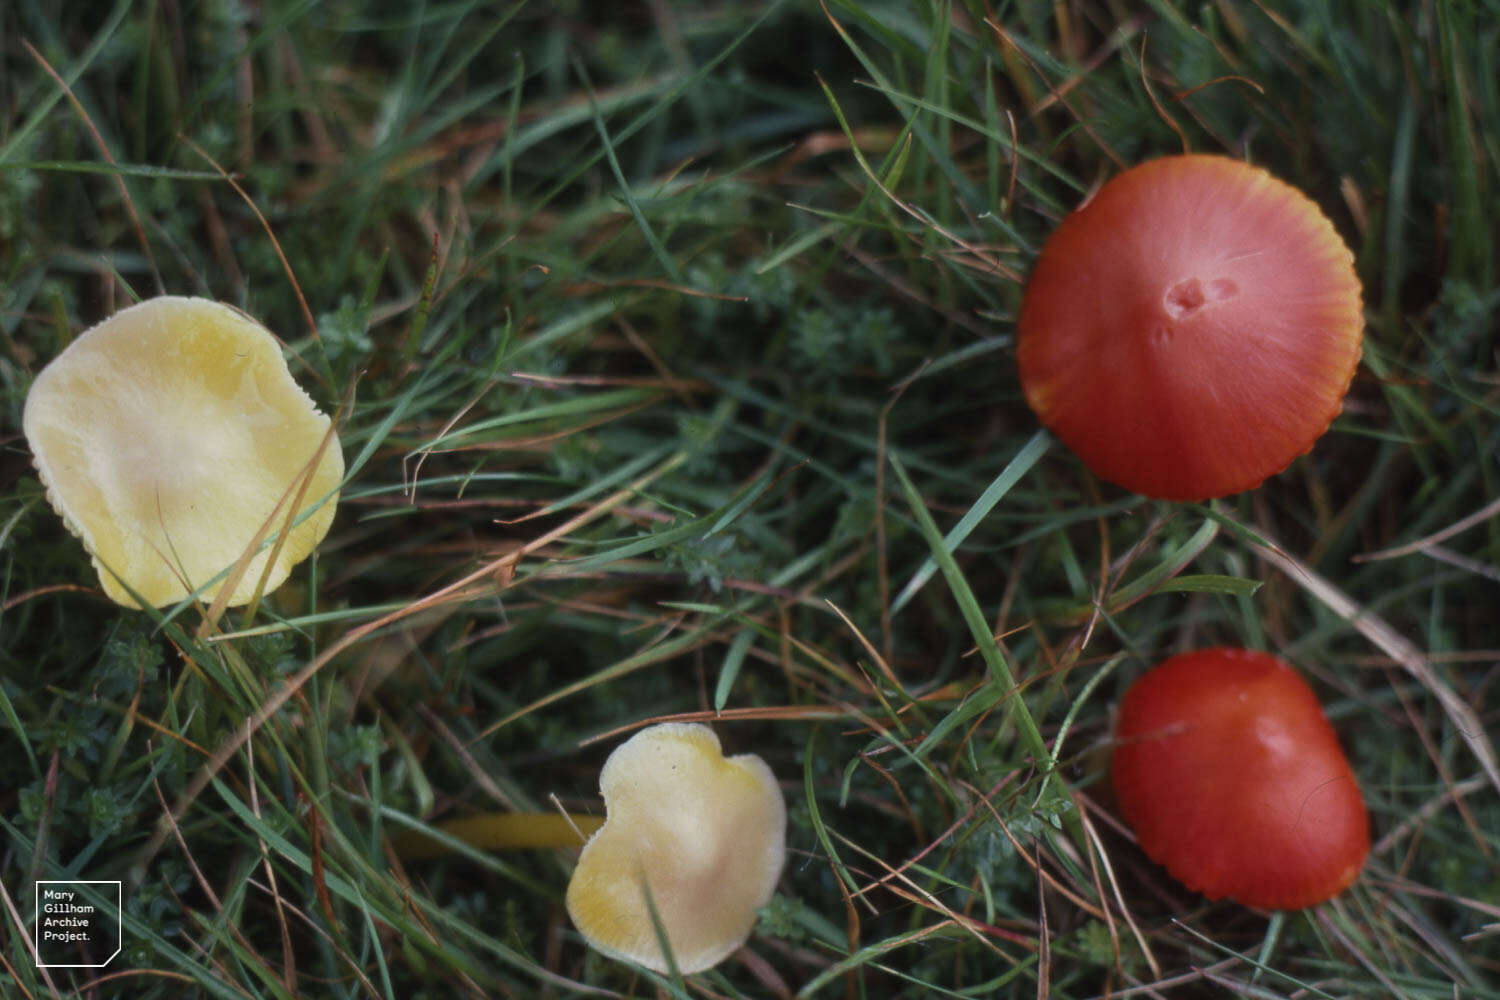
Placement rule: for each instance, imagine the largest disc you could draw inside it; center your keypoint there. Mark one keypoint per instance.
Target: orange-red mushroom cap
(1191, 328)
(1232, 778)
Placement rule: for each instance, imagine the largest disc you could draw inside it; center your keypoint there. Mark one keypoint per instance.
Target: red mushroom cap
(1190, 329)
(1229, 773)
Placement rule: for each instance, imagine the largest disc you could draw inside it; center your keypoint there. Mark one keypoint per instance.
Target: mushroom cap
(1190, 329)
(1232, 778)
(166, 435)
(707, 835)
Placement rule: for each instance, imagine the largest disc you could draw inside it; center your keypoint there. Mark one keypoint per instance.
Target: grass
(676, 347)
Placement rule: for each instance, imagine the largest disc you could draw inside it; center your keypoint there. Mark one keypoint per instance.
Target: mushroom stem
(498, 832)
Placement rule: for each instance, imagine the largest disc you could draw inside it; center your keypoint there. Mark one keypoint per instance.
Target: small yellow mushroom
(705, 834)
(166, 436)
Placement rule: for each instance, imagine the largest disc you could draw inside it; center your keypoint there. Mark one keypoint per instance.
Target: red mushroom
(1191, 328)
(1232, 778)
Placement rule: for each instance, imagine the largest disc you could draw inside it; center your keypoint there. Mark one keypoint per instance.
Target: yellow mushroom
(167, 436)
(705, 834)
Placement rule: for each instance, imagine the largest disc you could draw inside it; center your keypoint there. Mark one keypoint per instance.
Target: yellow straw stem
(498, 832)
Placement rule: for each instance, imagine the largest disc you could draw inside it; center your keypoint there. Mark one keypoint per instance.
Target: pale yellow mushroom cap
(706, 833)
(166, 435)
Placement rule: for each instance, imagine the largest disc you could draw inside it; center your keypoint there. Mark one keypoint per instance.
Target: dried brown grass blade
(1397, 647)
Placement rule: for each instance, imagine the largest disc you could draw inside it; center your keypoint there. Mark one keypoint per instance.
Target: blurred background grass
(637, 306)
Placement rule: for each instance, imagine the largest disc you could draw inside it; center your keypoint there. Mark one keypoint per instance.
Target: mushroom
(1190, 329)
(506, 831)
(171, 438)
(703, 835)
(1232, 778)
